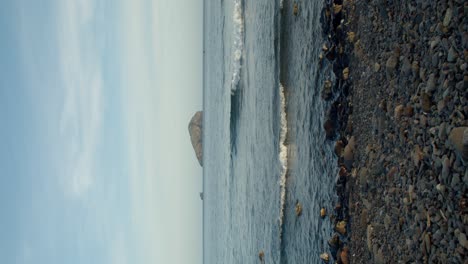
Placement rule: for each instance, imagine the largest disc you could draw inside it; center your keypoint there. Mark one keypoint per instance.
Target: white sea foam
(283, 155)
(238, 45)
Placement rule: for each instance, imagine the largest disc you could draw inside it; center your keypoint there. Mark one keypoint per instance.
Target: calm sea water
(249, 201)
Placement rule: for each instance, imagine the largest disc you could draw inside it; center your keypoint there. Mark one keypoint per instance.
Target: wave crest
(283, 156)
(238, 46)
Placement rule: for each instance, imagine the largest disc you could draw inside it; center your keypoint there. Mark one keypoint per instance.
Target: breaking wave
(283, 156)
(238, 46)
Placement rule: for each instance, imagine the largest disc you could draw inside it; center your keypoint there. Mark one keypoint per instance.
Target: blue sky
(96, 164)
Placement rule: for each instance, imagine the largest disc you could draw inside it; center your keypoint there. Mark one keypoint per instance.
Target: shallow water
(243, 162)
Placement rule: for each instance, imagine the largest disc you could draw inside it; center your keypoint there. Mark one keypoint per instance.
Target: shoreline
(408, 191)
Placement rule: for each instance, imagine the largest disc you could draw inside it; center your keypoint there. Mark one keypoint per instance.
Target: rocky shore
(399, 121)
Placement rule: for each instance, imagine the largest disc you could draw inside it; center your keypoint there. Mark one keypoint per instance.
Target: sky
(96, 164)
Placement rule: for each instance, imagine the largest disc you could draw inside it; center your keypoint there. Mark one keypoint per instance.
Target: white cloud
(82, 80)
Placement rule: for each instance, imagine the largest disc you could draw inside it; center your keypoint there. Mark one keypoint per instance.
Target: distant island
(195, 130)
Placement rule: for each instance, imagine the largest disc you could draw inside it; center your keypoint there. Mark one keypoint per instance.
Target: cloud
(80, 119)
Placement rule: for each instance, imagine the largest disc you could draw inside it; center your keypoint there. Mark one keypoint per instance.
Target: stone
(346, 73)
(431, 83)
(462, 240)
(298, 209)
(376, 67)
(341, 227)
(323, 212)
(391, 64)
(327, 90)
(325, 257)
(459, 139)
(339, 146)
(351, 37)
(337, 8)
(369, 233)
(344, 255)
(447, 17)
(398, 112)
(426, 102)
(452, 55)
(295, 9)
(348, 153)
(417, 156)
(195, 128)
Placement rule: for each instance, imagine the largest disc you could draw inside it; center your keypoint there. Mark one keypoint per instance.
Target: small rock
(348, 153)
(346, 73)
(351, 36)
(459, 139)
(370, 231)
(399, 110)
(462, 240)
(325, 257)
(298, 209)
(341, 227)
(391, 65)
(447, 17)
(339, 145)
(337, 8)
(376, 67)
(295, 9)
(327, 90)
(426, 102)
(452, 55)
(323, 212)
(344, 255)
(440, 188)
(431, 83)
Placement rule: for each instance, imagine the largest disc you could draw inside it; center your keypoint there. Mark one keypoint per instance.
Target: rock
(261, 255)
(325, 257)
(391, 65)
(341, 227)
(376, 67)
(351, 36)
(426, 102)
(409, 111)
(339, 145)
(346, 73)
(295, 9)
(334, 242)
(406, 66)
(445, 168)
(330, 129)
(195, 128)
(298, 209)
(337, 8)
(327, 90)
(417, 156)
(440, 188)
(447, 17)
(348, 153)
(459, 139)
(398, 112)
(431, 83)
(344, 255)
(452, 55)
(370, 232)
(323, 212)
(462, 240)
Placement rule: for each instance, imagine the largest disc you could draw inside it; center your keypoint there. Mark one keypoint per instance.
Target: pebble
(447, 17)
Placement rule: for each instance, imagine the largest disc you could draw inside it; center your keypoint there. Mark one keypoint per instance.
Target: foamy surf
(283, 156)
(238, 45)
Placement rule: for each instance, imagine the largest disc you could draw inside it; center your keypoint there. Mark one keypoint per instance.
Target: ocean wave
(283, 156)
(238, 45)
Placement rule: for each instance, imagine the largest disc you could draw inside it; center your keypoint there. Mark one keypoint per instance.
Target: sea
(264, 148)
